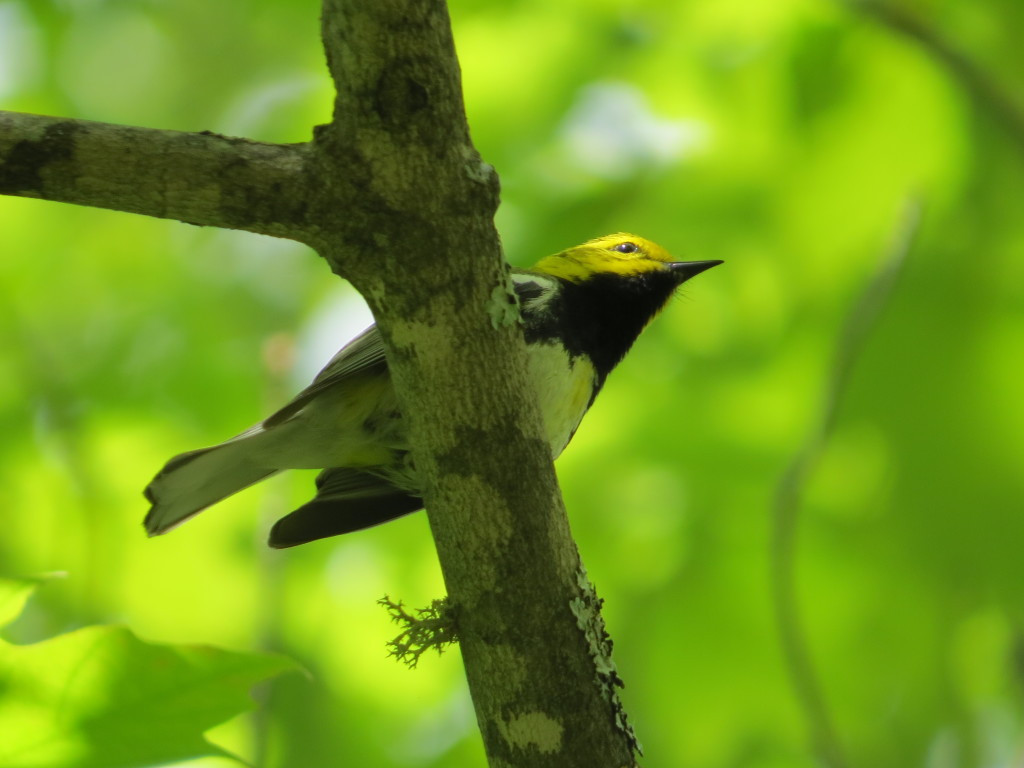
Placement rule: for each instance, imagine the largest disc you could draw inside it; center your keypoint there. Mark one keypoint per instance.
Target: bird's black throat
(602, 316)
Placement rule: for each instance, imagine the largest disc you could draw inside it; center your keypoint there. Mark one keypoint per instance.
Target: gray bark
(394, 196)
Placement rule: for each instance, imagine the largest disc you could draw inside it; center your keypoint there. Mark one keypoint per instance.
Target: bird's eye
(626, 248)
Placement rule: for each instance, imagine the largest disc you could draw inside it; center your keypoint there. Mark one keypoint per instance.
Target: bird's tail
(190, 482)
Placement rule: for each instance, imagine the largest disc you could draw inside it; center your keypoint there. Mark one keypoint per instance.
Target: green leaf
(100, 697)
(14, 593)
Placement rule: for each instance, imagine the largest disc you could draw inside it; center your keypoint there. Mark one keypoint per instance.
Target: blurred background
(785, 138)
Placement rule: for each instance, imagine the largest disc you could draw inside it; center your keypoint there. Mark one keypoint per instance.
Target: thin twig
(858, 324)
(986, 91)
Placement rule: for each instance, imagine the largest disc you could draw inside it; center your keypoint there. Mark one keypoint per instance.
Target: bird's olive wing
(364, 354)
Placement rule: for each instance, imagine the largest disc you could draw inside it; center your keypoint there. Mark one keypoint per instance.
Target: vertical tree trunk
(393, 194)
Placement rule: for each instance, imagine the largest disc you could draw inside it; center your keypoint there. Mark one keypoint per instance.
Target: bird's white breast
(565, 386)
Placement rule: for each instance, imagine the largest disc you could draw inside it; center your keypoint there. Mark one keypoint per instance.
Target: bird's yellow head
(619, 254)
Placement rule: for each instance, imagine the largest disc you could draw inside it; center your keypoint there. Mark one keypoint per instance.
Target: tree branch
(980, 85)
(536, 661)
(198, 178)
(788, 495)
(394, 195)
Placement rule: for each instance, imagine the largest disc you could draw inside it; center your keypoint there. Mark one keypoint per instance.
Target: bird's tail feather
(346, 500)
(190, 482)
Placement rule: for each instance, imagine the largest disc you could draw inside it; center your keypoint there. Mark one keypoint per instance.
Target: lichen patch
(534, 730)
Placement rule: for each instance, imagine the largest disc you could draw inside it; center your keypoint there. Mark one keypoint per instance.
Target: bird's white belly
(565, 387)
(332, 430)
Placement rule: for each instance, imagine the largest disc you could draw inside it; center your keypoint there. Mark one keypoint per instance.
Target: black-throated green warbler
(582, 310)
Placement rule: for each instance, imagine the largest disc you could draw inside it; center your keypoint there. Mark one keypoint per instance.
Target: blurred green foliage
(99, 697)
(783, 137)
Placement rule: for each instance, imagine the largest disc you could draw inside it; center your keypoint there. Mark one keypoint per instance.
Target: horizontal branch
(395, 197)
(199, 178)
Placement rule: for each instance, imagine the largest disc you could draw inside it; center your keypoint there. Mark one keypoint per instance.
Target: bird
(582, 309)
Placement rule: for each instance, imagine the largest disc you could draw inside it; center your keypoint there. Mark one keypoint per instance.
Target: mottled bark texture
(393, 194)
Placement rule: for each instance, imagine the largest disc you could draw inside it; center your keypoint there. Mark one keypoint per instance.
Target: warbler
(582, 309)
